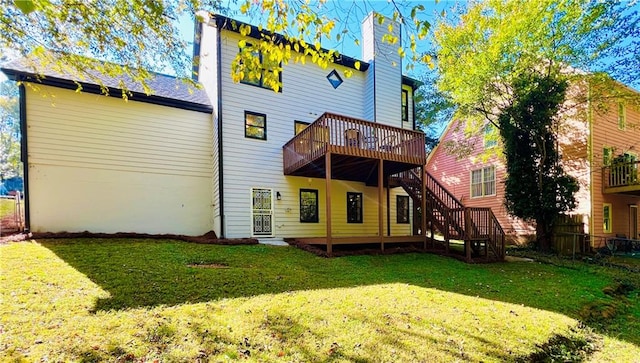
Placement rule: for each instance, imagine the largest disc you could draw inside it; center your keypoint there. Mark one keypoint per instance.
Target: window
(298, 126)
(354, 207)
(405, 105)
(255, 125)
(622, 116)
(483, 182)
(335, 79)
(490, 135)
(607, 156)
(261, 71)
(402, 209)
(607, 217)
(309, 206)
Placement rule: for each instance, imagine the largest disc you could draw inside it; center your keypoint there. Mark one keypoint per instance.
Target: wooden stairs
(474, 233)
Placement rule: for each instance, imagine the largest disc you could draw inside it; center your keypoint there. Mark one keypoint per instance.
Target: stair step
(273, 241)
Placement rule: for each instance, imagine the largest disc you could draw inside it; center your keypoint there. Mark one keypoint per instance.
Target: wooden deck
(355, 147)
(623, 178)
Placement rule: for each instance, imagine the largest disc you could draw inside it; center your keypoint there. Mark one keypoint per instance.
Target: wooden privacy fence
(569, 236)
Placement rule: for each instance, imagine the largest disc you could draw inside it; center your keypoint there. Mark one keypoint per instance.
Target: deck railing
(621, 174)
(354, 137)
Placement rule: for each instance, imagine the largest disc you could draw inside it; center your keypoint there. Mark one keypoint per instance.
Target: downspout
(375, 98)
(389, 208)
(220, 138)
(24, 156)
(375, 56)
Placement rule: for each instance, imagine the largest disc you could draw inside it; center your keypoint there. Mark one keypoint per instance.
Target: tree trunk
(544, 235)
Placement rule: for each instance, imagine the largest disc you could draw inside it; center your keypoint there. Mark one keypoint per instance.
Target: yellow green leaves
(26, 6)
(244, 8)
(245, 29)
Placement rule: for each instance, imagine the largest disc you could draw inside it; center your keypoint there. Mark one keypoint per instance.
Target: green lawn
(134, 300)
(7, 207)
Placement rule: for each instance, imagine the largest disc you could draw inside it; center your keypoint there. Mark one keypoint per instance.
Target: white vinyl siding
(250, 162)
(387, 68)
(101, 164)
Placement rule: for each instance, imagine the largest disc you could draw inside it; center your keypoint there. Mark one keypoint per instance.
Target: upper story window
(483, 182)
(354, 207)
(622, 116)
(298, 126)
(607, 156)
(255, 125)
(259, 70)
(490, 133)
(405, 105)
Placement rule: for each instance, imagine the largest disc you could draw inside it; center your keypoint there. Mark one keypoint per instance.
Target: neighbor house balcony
(355, 147)
(622, 178)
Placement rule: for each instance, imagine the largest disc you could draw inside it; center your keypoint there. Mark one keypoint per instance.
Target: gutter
(24, 156)
(220, 138)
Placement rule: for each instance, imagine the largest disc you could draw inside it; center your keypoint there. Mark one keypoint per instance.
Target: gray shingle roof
(165, 90)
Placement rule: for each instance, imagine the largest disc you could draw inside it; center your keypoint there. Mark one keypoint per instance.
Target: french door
(262, 212)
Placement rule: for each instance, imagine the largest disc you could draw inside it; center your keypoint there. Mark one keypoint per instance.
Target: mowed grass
(142, 300)
(7, 207)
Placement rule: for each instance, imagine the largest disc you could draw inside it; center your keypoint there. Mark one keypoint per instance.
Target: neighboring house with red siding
(600, 147)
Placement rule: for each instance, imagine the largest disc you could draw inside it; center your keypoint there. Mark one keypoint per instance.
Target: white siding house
(248, 165)
(190, 162)
(102, 164)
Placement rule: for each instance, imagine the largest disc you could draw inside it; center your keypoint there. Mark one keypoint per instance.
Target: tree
(537, 188)
(129, 38)
(497, 58)
(10, 165)
(480, 52)
(433, 110)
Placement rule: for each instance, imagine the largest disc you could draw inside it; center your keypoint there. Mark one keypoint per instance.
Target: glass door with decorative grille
(262, 212)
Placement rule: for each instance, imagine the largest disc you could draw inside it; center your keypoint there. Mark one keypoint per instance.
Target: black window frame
(295, 126)
(358, 211)
(405, 206)
(316, 213)
(404, 101)
(246, 126)
(260, 82)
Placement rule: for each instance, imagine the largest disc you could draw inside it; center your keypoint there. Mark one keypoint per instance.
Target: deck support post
(467, 234)
(380, 199)
(328, 201)
(423, 206)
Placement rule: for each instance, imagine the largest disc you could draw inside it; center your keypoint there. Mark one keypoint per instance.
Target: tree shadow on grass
(147, 273)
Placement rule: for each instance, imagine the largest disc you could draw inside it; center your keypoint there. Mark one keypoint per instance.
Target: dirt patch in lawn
(9, 225)
(208, 265)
